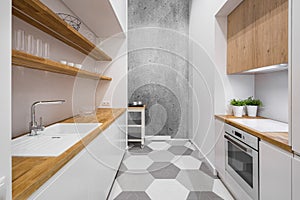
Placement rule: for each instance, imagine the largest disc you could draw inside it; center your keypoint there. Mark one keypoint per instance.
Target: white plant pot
(238, 111)
(252, 111)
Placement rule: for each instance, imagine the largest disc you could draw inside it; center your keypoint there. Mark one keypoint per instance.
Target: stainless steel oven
(242, 159)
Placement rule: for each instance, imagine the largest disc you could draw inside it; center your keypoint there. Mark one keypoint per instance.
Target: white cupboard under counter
(88, 167)
(275, 169)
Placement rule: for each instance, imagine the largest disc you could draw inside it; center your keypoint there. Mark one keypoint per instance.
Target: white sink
(263, 125)
(53, 141)
(81, 129)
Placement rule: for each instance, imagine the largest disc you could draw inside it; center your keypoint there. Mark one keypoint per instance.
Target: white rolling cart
(136, 124)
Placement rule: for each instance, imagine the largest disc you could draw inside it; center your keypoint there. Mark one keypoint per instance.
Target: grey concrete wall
(157, 63)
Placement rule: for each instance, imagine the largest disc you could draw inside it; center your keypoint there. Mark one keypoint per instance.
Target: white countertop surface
(263, 125)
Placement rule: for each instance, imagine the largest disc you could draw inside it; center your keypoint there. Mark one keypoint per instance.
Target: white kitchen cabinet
(296, 178)
(220, 148)
(91, 173)
(275, 169)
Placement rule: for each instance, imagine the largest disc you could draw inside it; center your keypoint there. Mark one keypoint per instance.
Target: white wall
(115, 91)
(5, 106)
(272, 90)
(30, 85)
(211, 34)
(120, 8)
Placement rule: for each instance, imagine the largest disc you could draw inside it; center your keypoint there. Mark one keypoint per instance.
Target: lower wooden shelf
(34, 62)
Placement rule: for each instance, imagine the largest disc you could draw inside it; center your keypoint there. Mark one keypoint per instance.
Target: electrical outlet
(105, 103)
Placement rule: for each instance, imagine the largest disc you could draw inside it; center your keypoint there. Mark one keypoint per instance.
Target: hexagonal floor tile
(198, 155)
(167, 189)
(115, 191)
(133, 196)
(163, 170)
(190, 146)
(207, 170)
(136, 150)
(159, 145)
(121, 170)
(135, 182)
(221, 190)
(137, 162)
(195, 180)
(186, 162)
(180, 150)
(203, 195)
(161, 156)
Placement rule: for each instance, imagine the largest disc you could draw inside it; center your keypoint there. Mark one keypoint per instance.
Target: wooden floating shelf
(30, 61)
(39, 15)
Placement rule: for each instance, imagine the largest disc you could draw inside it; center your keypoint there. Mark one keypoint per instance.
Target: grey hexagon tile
(163, 170)
(198, 155)
(161, 156)
(133, 196)
(159, 145)
(207, 170)
(137, 162)
(136, 150)
(180, 150)
(186, 162)
(190, 146)
(121, 170)
(135, 181)
(221, 190)
(167, 189)
(195, 180)
(115, 191)
(205, 195)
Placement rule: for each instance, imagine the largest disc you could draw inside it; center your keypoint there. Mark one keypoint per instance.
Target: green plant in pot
(237, 107)
(252, 106)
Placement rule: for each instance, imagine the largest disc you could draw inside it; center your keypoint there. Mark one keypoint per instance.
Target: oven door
(242, 165)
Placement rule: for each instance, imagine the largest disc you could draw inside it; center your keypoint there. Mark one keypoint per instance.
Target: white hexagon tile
(172, 169)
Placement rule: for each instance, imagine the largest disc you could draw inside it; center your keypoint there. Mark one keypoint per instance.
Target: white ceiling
(98, 15)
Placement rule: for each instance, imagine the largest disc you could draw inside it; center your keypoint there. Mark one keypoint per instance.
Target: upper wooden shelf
(26, 60)
(39, 15)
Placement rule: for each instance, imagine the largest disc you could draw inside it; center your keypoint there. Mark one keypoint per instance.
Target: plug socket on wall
(105, 103)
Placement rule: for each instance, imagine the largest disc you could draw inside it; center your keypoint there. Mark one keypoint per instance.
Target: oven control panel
(243, 136)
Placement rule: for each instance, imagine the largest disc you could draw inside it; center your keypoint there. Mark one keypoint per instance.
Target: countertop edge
(262, 136)
(27, 183)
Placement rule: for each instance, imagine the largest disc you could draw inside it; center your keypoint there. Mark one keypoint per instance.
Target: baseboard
(205, 157)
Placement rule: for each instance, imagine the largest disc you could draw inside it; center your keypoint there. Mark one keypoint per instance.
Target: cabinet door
(257, 35)
(275, 173)
(296, 178)
(220, 148)
(295, 75)
(90, 174)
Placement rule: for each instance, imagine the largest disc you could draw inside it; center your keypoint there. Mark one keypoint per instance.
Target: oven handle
(236, 143)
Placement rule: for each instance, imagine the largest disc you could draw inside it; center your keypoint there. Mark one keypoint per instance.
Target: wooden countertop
(29, 173)
(279, 139)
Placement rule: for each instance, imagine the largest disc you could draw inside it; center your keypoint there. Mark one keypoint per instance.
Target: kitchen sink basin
(53, 141)
(81, 129)
(263, 125)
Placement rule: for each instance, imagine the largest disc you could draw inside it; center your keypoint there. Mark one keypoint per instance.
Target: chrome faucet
(33, 126)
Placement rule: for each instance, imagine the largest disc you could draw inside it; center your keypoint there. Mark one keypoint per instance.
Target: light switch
(2, 188)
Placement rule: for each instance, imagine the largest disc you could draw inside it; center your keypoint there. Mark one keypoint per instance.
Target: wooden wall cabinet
(257, 35)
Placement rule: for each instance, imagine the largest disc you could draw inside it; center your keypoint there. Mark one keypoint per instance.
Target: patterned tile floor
(165, 170)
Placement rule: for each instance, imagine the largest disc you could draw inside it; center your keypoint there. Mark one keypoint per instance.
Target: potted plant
(237, 107)
(252, 105)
